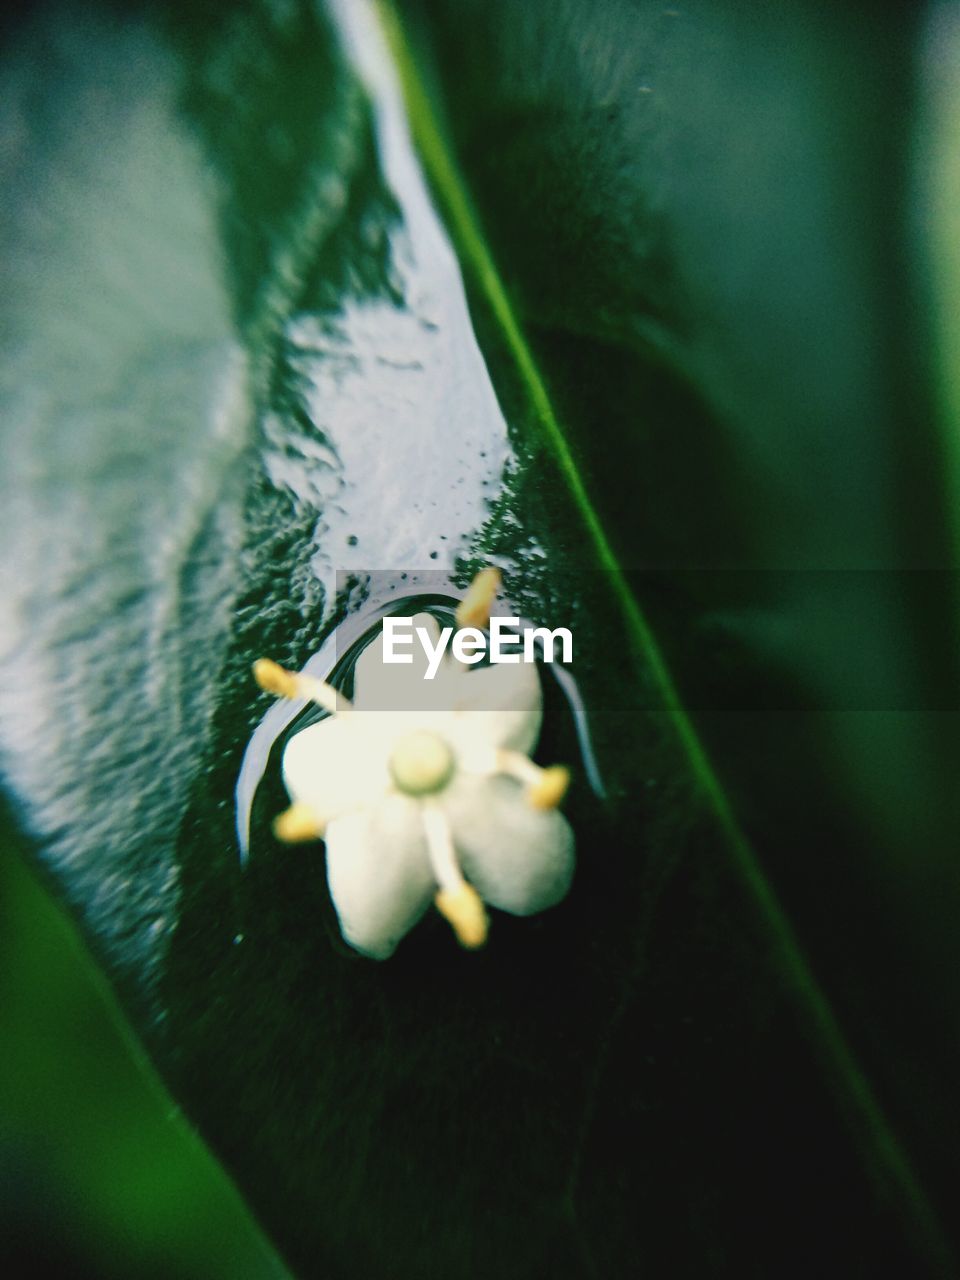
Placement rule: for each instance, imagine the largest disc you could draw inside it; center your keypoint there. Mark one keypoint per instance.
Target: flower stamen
(545, 788)
(298, 824)
(456, 900)
(273, 678)
(474, 609)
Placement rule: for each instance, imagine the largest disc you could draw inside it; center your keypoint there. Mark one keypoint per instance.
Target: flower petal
(398, 686)
(518, 858)
(336, 766)
(379, 874)
(475, 709)
(499, 705)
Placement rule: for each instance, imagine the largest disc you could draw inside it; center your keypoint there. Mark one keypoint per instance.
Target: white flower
(424, 791)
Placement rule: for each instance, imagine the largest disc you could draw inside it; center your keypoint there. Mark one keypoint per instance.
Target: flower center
(421, 763)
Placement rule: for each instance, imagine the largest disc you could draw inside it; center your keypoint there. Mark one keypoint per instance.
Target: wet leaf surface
(238, 358)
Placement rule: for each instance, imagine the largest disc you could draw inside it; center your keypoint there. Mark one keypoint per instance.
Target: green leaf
(238, 358)
(881, 1145)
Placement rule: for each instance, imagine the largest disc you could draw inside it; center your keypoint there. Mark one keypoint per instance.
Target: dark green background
(716, 245)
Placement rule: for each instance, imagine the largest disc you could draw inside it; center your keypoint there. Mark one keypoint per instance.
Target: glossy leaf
(238, 359)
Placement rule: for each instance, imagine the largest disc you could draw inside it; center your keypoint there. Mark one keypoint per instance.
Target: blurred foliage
(236, 358)
(100, 1176)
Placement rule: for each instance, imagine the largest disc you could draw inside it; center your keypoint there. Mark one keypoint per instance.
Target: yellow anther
(550, 788)
(474, 609)
(544, 788)
(463, 908)
(273, 678)
(297, 824)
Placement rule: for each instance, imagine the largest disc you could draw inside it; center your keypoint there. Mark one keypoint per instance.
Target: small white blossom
(424, 792)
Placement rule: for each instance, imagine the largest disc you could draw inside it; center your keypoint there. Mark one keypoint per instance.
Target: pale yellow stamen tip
(297, 824)
(272, 678)
(464, 909)
(550, 788)
(544, 788)
(474, 609)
